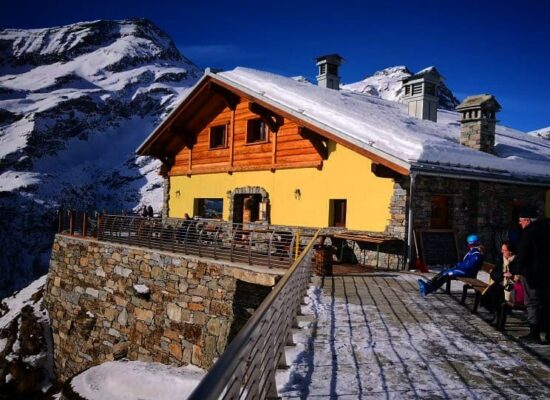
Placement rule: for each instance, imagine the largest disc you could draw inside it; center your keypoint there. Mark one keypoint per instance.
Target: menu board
(436, 246)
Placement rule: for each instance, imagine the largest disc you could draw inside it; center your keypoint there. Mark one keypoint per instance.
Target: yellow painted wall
(547, 211)
(345, 175)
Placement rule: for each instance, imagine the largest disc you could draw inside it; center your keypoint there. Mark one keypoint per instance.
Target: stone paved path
(374, 337)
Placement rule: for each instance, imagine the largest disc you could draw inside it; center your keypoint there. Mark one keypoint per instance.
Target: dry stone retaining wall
(182, 314)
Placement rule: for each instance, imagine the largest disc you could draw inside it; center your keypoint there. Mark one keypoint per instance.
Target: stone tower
(478, 122)
(328, 71)
(420, 93)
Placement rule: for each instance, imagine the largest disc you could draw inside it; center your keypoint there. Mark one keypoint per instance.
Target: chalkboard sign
(436, 246)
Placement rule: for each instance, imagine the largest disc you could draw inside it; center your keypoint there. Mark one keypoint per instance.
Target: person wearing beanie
(467, 268)
(534, 267)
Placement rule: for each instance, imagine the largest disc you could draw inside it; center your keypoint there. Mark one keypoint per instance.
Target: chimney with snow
(478, 122)
(421, 91)
(328, 71)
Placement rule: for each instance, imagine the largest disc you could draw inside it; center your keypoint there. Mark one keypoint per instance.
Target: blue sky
(493, 47)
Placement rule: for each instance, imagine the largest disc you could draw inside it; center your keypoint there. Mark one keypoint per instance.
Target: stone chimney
(421, 91)
(328, 71)
(478, 122)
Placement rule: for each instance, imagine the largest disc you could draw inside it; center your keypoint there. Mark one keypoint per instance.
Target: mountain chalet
(251, 146)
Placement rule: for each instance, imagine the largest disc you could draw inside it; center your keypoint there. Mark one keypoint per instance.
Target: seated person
(467, 268)
(504, 277)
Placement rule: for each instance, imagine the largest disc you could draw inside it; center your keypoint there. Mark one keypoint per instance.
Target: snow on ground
(130, 380)
(22, 298)
(374, 337)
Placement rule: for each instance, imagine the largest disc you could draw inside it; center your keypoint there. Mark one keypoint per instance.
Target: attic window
(218, 136)
(322, 69)
(417, 88)
(256, 131)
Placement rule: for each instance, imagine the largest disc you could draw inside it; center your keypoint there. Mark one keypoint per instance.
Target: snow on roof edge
(381, 153)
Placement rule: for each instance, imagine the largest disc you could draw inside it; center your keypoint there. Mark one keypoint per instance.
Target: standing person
(150, 212)
(144, 211)
(468, 267)
(534, 267)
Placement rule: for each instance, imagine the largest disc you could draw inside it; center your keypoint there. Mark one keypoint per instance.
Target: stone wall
(98, 313)
(485, 208)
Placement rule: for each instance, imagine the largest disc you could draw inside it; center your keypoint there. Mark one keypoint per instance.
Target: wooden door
(440, 212)
(339, 212)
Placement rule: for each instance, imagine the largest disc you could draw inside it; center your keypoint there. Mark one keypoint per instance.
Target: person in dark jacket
(504, 275)
(534, 267)
(468, 267)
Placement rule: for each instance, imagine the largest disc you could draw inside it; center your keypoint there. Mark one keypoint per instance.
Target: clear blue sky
(495, 47)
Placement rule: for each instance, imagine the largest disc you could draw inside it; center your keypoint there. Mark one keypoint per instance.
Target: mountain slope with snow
(75, 102)
(542, 133)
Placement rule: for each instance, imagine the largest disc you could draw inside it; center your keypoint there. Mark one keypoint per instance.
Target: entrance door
(339, 209)
(246, 207)
(440, 211)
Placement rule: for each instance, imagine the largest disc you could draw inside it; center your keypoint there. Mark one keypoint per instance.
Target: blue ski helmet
(473, 239)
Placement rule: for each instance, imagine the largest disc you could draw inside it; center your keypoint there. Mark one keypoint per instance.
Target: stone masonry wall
(97, 314)
(474, 206)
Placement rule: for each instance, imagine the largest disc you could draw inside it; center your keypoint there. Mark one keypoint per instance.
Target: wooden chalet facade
(262, 164)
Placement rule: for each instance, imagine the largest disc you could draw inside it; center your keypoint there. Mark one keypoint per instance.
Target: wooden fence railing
(254, 244)
(247, 368)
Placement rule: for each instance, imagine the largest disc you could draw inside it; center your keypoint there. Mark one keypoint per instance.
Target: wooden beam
(274, 151)
(178, 171)
(186, 138)
(232, 139)
(382, 171)
(271, 119)
(320, 143)
(230, 98)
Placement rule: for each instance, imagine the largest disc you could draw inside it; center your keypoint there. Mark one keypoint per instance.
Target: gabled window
(256, 131)
(218, 135)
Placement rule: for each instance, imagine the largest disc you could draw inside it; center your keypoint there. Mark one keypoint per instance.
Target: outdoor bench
(478, 286)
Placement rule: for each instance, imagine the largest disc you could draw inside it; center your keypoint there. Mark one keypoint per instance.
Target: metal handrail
(247, 367)
(273, 246)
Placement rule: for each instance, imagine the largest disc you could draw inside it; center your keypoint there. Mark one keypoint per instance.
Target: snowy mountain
(75, 102)
(387, 85)
(542, 133)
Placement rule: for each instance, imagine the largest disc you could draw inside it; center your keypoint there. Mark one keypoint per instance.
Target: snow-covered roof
(385, 129)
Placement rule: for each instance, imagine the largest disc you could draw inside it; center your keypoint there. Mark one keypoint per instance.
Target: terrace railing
(254, 244)
(247, 368)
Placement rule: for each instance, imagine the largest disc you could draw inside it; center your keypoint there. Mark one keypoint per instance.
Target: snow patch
(125, 380)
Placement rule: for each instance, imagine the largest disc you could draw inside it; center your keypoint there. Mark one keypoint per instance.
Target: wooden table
(363, 240)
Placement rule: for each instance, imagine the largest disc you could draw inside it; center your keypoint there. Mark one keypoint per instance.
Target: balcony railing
(247, 368)
(254, 244)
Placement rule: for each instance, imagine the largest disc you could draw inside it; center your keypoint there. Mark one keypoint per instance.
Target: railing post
(99, 232)
(72, 218)
(60, 220)
(84, 223)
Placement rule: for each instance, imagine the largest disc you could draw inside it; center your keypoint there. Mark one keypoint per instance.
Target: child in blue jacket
(468, 268)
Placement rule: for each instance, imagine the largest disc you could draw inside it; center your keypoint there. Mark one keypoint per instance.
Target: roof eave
(143, 148)
(447, 172)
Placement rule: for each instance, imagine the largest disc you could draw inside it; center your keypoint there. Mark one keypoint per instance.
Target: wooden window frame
(265, 140)
(225, 129)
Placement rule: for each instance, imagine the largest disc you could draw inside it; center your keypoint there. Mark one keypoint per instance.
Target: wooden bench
(474, 284)
(503, 313)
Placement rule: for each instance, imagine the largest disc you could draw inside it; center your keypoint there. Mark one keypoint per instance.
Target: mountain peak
(387, 84)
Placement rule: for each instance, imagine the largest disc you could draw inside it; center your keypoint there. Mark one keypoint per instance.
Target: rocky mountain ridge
(75, 102)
